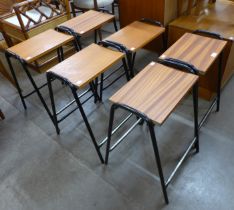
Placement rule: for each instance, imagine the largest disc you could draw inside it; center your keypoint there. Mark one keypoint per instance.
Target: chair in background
(6, 8)
(33, 17)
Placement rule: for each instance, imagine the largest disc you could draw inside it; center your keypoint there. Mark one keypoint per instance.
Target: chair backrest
(45, 10)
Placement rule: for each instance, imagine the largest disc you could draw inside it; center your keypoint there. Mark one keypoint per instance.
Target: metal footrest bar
(34, 91)
(115, 80)
(116, 129)
(73, 101)
(109, 75)
(69, 113)
(125, 134)
(65, 107)
(207, 113)
(190, 147)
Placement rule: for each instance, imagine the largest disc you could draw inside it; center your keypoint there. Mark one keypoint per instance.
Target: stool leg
(16, 81)
(77, 43)
(101, 86)
(115, 24)
(59, 56)
(157, 157)
(49, 80)
(99, 34)
(2, 115)
(195, 107)
(126, 69)
(37, 91)
(87, 124)
(73, 9)
(113, 13)
(111, 121)
(219, 82)
(95, 36)
(131, 59)
(164, 41)
(93, 87)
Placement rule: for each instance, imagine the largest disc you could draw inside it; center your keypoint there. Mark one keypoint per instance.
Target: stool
(137, 35)
(200, 52)
(98, 5)
(81, 70)
(29, 51)
(152, 95)
(87, 22)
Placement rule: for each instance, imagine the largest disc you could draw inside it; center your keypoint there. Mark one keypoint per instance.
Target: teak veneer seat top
(88, 21)
(155, 91)
(197, 50)
(84, 66)
(136, 35)
(32, 49)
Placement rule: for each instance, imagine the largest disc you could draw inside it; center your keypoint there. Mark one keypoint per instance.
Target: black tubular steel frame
(36, 90)
(130, 55)
(142, 117)
(93, 87)
(120, 48)
(217, 99)
(71, 32)
(50, 77)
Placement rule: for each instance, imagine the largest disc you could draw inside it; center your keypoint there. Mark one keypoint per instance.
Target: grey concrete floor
(42, 170)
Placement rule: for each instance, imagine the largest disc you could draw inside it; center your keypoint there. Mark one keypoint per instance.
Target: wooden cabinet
(161, 10)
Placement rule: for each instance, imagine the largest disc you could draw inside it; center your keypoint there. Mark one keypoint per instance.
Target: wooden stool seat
(197, 50)
(34, 48)
(88, 21)
(155, 91)
(86, 65)
(136, 35)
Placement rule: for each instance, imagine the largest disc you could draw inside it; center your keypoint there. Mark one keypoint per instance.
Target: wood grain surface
(88, 21)
(86, 65)
(155, 91)
(136, 35)
(197, 50)
(40, 45)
